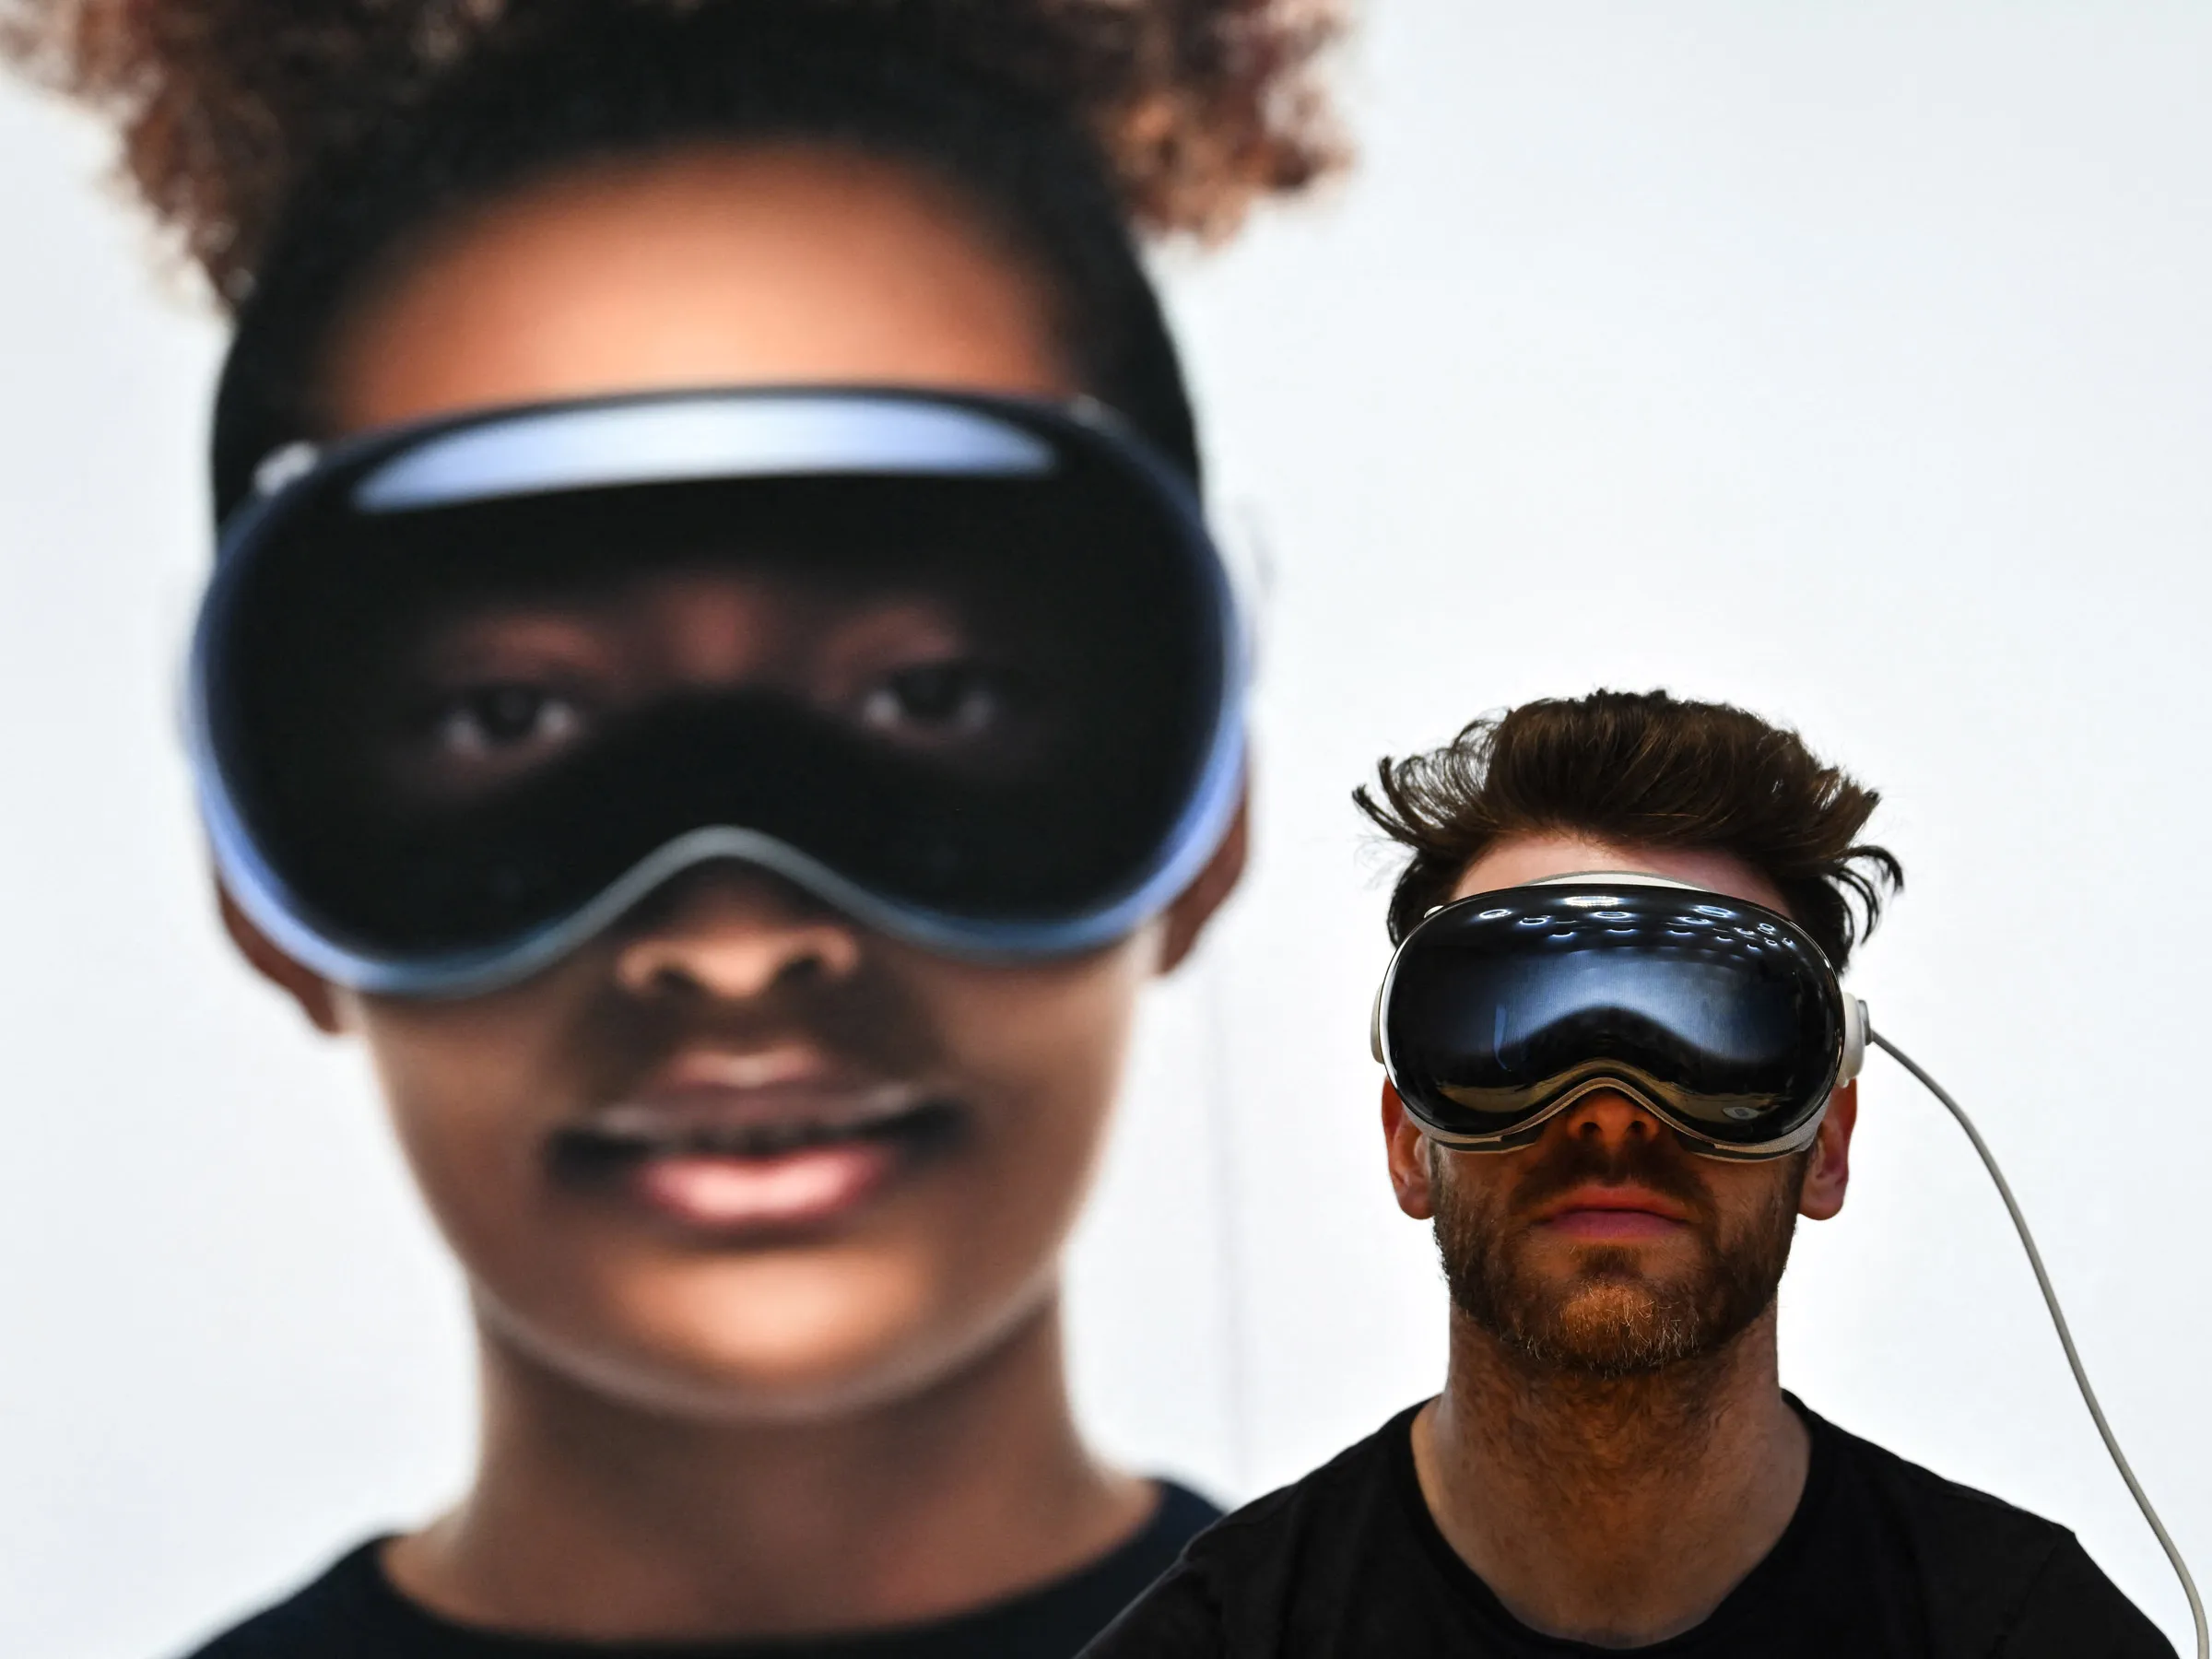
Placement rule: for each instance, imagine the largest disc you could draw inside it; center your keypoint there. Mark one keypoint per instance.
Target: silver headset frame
(1624, 1081)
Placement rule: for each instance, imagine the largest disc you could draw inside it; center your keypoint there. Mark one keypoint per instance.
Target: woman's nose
(731, 934)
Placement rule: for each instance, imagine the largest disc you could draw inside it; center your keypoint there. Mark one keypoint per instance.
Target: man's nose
(732, 934)
(1610, 1118)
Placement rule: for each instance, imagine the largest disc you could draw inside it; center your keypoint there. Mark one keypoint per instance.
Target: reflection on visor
(995, 697)
(1723, 1016)
(1660, 990)
(594, 446)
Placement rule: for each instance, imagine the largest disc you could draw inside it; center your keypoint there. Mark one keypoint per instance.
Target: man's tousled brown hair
(1644, 769)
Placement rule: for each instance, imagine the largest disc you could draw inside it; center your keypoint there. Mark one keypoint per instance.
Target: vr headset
(460, 694)
(1720, 1017)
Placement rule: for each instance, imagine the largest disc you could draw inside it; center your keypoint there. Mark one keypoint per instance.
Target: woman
(758, 1183)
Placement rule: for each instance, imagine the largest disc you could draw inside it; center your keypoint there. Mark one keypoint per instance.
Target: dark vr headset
(460, 694)
(1720, 1017)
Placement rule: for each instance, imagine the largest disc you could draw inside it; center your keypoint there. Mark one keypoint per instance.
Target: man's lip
(1627, 1198)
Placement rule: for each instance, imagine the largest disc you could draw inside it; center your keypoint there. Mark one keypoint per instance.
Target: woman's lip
(726, 1195)
(735, 1165)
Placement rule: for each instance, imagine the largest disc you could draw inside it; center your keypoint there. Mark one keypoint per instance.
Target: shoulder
(1332, 1499)
(1183, 1514)
(340, 1614)
(1061, 1616)
(1242, 1573)
(2073, 1611)
(1930, 1502)
(1993, 1570)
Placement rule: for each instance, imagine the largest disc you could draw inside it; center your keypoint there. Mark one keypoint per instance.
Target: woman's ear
(317, 997)
(1187, 917)
(1828, 1171)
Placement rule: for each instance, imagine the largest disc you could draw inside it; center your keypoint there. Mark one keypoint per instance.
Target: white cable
(2066, 1336)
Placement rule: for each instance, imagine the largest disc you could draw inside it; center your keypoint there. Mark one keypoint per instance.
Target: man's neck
(1618, 1512)
(592, 1518)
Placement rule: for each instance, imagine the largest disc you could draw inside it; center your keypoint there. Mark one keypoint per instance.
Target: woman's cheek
(473, 1090)
(1052, 1052)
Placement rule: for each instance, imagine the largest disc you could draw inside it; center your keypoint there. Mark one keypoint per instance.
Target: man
(1613, 1463)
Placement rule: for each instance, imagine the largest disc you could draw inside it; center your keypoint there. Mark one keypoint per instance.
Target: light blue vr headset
(967, 669)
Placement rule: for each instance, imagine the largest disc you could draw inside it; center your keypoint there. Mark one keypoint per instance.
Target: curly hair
(298, 150)
(1198, 107)
(1647, 769)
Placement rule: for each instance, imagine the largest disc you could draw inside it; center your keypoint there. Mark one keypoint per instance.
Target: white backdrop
(1850, 362)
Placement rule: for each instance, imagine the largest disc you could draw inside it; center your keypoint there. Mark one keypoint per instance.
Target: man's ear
(317, 997)
(1828, 1173)
(1412, 1176)
(1187, 917)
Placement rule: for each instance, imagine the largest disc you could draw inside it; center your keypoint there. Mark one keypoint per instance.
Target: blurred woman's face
(738, 1157)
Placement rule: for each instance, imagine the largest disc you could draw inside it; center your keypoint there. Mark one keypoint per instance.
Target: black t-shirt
(352, 1612)
(1882, 1558)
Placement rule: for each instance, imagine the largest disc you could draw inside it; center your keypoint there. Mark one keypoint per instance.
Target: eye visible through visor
(1721, 1018)
(968, 668)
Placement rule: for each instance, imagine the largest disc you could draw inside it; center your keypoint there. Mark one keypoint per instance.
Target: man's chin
(1608, 1321)
(1610, 1310)
(1620, 1327)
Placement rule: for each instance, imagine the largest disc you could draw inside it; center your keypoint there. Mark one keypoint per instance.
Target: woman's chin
(782, 1340)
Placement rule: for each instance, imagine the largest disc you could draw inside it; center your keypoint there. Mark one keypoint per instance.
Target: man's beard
(1609, 1320)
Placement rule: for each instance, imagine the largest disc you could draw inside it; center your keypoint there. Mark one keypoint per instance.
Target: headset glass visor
(967, 669)
(1721, 1018)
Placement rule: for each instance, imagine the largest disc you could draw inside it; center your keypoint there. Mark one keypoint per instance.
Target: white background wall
(1850, 362)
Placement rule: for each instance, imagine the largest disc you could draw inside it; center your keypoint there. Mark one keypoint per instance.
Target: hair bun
(1201, 107)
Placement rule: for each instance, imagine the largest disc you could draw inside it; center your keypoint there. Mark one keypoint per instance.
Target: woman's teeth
(631, 1135)
(747, 1140)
